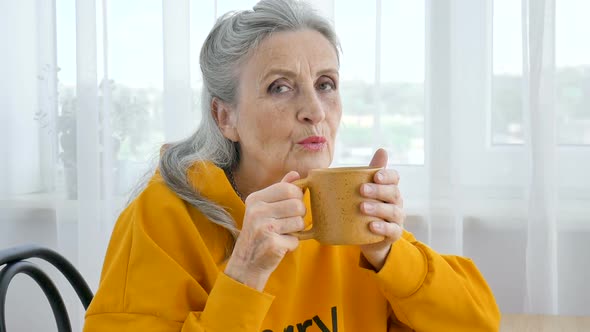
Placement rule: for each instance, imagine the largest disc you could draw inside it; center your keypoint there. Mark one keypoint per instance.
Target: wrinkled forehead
(291, 50)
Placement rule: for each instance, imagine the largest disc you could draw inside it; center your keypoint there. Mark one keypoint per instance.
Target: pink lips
(313, 143)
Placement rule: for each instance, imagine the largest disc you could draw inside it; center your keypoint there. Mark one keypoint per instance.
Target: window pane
(572, 79)
(392, 117)
(357, 81)
(402, 77)
(66, 121)
(135, 71)
(506, 119)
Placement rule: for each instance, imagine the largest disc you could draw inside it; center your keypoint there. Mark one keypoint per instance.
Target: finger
(289, 242)
(379, 159)
(388, 212)
(293, 207)
(287, 225)
(386, 176)
(277, 246)
(290, 177)
(385, 193)
(276, 192)
(389, 230)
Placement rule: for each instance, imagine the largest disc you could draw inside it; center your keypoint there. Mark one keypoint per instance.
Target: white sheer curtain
(89, 90)
(539, 118)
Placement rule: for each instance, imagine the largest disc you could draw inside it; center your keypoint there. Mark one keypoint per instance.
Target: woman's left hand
(389, 209)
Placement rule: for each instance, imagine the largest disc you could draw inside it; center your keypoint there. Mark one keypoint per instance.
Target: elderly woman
(206, 246)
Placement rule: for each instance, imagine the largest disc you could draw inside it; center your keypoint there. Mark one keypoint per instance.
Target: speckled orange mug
(335, 206)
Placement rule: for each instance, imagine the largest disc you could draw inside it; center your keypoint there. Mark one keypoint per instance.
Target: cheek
(269, 126)
(334, 113)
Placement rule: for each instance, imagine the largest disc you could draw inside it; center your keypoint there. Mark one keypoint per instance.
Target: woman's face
(288, 104)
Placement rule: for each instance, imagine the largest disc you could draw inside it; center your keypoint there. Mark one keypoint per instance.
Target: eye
(326, 84)
(278, 87)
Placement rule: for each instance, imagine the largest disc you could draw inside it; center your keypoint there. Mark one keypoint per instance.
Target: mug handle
(309, 233)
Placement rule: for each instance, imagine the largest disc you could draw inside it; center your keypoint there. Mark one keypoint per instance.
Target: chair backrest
(15, 261)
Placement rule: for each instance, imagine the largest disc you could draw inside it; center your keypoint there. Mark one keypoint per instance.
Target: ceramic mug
(335, 206)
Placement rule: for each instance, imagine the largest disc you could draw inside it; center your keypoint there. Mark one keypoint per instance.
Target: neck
(250, 179)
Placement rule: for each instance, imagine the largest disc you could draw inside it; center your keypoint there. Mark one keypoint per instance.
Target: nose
(311, 109)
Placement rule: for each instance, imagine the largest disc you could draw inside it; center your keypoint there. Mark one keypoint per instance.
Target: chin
(322, 162)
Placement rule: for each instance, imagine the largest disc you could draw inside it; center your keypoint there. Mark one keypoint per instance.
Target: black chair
(15, 261)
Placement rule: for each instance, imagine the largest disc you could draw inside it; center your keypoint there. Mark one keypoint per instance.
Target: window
(572, 77)
(66, 177)
(572, 73)
(382, 81)
(133, 93)
(402, 76)
(357, 81)
(506, 113)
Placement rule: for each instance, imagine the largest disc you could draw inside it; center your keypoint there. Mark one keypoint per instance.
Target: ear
(226, 119)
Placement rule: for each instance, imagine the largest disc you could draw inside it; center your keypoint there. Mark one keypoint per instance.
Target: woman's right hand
(271, 214)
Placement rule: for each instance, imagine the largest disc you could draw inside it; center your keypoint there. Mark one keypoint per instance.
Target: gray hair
(226, 48)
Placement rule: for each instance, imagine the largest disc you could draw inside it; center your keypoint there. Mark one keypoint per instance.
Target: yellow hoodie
(163, 272)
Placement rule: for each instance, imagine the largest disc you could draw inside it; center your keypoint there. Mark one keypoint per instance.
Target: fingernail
(368, 189)
(377, 225)
(301, 224)
(380, 176)
(369, 207)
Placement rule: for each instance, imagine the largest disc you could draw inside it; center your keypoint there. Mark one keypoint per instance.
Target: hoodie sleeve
(432, 292)
(231, 306)
(162, 273)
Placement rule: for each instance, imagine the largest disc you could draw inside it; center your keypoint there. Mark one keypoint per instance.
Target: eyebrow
(290, 73)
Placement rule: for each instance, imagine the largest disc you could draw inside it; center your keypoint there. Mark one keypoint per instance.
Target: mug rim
(345, 169)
